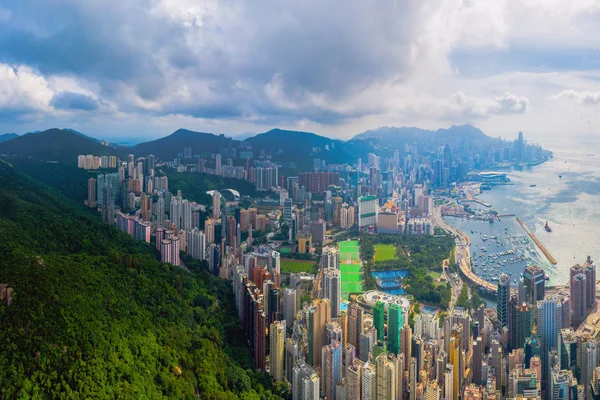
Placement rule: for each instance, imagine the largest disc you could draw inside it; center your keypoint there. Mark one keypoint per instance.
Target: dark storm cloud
(331, 50)
(74, 101)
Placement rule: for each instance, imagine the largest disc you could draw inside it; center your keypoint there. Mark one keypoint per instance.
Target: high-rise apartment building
(276, 341)
(332, 289)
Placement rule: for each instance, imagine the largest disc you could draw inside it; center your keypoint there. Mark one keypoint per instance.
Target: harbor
(537, 242)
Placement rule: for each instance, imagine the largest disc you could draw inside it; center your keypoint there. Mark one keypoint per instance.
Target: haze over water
(570, 204)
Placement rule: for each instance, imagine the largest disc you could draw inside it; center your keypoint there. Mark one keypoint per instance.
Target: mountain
(302, 147)
(8, 136)
(398, 136)
(168, 147)
(86, 311)
(61, 145)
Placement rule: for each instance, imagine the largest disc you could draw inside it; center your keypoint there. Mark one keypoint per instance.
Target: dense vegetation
(94, 314)
(194, 186)
(417, 254)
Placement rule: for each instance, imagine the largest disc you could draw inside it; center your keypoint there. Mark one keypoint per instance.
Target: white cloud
(585, 97)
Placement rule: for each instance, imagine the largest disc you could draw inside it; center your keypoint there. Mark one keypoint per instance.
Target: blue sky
(143, 68)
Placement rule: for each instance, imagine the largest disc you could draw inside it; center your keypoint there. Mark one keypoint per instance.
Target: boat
(547, 227)
(534, 185)
(560, 176)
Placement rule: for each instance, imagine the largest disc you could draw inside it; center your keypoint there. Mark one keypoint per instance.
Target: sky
(123, 69)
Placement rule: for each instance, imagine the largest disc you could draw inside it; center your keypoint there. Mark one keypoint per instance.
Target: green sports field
(349, 251)
(350, 267)
(384, 252)
(289, 266)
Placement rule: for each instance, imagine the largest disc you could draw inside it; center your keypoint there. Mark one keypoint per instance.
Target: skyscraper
(196, 244)
(549, 324)
(319, 315)
(91, 202)
(331, 371)
(353, 380)
(369, 382)
(503, 299)
(578, 288)
(590, 276)
(379, 319)
(305, 382)
(394, 327)
(216, 205)
(276, 341)
(386, 378)
(289, 306)
(355, 322)
(218, 165)
(332, 289)
(534, 281)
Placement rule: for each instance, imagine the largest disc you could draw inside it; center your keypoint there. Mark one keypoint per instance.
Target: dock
(537, 242)
(481, 202)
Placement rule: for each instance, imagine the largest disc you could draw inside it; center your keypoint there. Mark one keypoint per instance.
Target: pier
(481, 202)
(537, 242)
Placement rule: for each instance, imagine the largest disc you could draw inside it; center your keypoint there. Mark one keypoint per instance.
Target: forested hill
(94, 315)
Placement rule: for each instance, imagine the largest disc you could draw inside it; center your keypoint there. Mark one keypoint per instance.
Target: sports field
(289, 266)
(350, 267)
(384, 252)
(349, 251)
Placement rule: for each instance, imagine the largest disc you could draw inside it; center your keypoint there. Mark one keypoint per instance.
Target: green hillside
(94, 315)
(62, 145)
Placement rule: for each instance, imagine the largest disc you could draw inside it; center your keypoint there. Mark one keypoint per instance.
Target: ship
(547, 227)
(534, 185)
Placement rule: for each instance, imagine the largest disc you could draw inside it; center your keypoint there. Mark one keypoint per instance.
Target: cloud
(474, 107)
(328, 64)
(584, 97)
(74, 101)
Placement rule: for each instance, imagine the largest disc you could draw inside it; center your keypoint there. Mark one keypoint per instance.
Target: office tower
(353, 380)
(289, 306)
(355, 322)
(394, 327)
(454, 360)
(368, 338)
(521, 324)
(578, 286)
(305, 382)
(503, 299)
(260, 337)
(367, 211)
(332, 289)
(91, 201)
(196, 244)
(216, 205)
(534, 281)
(231, 231)
(276, 341)
(478, 349)
(386, 378)
(520, 144)
(369, 382)
(590, 277)
(319, 315)
(549, 323)
(379, 319)
(331, 371)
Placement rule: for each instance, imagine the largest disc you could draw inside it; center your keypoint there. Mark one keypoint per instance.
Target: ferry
(547, 227)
